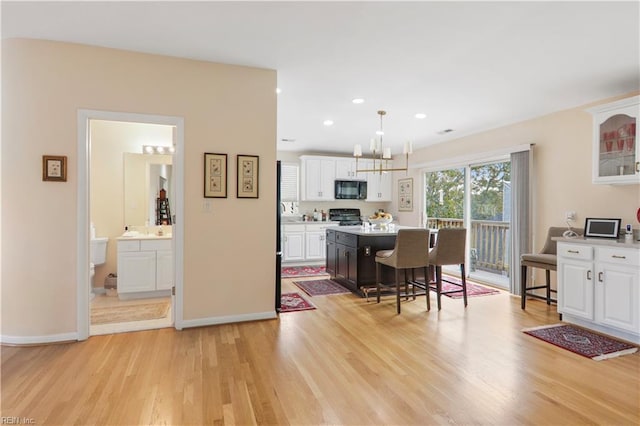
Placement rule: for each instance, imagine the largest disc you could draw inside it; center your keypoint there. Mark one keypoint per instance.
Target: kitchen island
(351, 252)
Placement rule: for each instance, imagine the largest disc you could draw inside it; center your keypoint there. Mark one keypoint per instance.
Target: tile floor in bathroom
(102, 301)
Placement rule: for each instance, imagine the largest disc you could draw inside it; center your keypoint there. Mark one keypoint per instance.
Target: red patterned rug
(303, 271)
(473, 289)
(581, 341)
(292, 302)
(321, 287)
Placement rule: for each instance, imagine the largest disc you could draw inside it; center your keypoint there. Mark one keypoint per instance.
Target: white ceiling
(469, 66)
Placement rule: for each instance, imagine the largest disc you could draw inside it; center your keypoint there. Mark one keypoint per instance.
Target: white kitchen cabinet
(305, 242)
(164, 269)
(575, 280)
(616, 158)
(599, 286)
(379, 184)
(617, 288)
(293, 242)
(316, 240)
(346, 169)
(318, 176)
(144, 265)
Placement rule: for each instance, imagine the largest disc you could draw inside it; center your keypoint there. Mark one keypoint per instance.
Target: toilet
(98, 256)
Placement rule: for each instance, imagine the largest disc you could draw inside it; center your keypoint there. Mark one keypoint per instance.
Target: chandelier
(381, 154)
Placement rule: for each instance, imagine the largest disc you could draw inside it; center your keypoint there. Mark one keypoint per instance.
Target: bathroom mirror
(144, 176)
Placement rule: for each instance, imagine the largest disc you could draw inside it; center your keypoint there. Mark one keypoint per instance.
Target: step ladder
(163, 211)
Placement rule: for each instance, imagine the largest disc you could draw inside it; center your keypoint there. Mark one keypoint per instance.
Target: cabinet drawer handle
(574, 251)
(589, 275)
(615, 256)
(637, 166)
(600, 276)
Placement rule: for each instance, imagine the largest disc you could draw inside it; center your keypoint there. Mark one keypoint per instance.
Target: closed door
(293, 246)
(136, 271)
(575, 297)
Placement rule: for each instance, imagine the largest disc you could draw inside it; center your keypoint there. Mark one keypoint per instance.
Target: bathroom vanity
(145, 266)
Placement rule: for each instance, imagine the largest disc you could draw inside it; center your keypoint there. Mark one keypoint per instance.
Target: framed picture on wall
(215, 175)
(248, 173)
(54, 168)
(405, 195)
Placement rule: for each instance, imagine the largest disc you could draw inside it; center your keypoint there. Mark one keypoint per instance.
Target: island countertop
(359, 230)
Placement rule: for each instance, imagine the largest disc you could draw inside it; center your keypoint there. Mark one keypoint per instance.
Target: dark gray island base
(351, 253)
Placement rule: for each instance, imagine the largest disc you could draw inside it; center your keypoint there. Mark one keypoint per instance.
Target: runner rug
(581, 341)
(292, 302)
(473, 289)
(303, 271)
(321, 287)
(127, 313)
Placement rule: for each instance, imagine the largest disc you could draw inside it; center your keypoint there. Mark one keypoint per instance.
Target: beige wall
(227, 109)
(562, 169)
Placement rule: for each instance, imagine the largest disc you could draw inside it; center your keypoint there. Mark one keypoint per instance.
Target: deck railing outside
(489, 243)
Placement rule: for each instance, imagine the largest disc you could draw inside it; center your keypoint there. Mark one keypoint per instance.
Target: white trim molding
(38, 340)
(201, 322)
(84, 156)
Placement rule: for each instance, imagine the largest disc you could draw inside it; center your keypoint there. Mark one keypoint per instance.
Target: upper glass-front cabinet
(616, 158)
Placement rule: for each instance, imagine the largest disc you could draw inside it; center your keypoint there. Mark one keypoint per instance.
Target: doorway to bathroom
(133, 195)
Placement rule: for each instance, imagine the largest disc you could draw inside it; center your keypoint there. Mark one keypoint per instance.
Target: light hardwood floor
(347, 362)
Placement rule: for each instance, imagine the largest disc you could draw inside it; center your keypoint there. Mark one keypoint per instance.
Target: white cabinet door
(616, 154)
(316, 247)
(379, 185)
(164, 269)
(346, 169)
(617, 298)
(136, 271)
(575, 288)
(319, 176)
(293, 246)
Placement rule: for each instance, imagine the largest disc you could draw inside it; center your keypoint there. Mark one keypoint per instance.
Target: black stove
(346, 217)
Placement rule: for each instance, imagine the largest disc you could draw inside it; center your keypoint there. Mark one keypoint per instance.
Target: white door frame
(83, 193)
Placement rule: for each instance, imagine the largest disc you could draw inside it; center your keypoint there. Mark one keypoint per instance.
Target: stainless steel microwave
(351, 190)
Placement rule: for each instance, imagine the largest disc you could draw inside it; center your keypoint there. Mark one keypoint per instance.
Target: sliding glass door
(490, 201)
(477, 197)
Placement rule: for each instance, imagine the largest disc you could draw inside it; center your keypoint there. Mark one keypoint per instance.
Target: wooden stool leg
(523, 286)
(426, 288)
(548, 276)
(464, 284)
(397, 291)
(439, 285)
(378, 282)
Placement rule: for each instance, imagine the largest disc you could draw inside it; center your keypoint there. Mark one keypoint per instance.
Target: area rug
(303, 271)
(581, 341)
(473, 289)
(321, 287)
(292, 302)
(128, 313)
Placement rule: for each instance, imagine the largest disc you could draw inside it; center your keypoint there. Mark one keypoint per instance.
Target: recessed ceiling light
(421, 115)
(278, 90)
(328, 122)
(357, 100)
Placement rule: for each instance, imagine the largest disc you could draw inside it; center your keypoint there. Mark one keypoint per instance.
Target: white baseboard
(38, 340)
(201, 322)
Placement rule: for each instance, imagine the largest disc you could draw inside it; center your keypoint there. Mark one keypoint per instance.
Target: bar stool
(449, 250)
(411, 251)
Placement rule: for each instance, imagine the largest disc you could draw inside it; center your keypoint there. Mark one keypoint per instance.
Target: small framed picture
(54, 168)
(405, 195)
(215, 175)
(602, 228)
(248, 174)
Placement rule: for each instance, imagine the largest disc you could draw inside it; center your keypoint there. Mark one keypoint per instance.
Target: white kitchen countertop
(599, 242)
